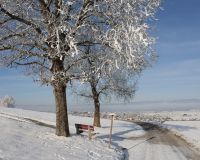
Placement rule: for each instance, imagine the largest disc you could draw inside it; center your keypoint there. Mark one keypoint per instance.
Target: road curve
(162, 144)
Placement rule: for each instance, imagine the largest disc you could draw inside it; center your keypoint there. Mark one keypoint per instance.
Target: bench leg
(89, 133)
(77, 130)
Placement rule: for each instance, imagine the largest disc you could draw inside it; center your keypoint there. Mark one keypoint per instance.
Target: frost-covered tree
(7, 101)
(106, 82)
(46, 38)
(118, 86)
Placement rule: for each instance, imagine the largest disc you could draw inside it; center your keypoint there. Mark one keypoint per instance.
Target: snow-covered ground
(26, 141)
(30, 141)
(188, 130)
(185, 124)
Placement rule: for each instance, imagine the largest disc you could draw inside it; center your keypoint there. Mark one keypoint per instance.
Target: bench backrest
(84, 127)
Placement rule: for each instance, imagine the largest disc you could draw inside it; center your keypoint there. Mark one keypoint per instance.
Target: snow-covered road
(162, 144)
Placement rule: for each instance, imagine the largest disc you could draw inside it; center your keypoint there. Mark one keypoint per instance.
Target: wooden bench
(80, 128)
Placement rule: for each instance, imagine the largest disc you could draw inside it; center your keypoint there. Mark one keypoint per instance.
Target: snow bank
(188, 130)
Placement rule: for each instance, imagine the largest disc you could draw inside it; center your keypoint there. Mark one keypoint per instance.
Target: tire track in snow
(165, 145)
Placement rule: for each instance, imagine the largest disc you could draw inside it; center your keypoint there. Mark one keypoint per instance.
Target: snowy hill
(21, 139)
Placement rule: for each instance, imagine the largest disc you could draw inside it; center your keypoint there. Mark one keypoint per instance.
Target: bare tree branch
(12, 35)
(29, 23)
(32, 63)
(5, 21)
(4, 48)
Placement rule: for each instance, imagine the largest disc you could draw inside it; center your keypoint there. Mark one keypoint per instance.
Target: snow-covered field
(190, 115)
(188, 130)
(150, 115)
(21, 139)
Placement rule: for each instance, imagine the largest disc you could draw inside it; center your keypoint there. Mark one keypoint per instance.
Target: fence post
(111, 126)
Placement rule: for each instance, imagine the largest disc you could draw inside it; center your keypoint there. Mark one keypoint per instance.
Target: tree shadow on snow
(179, 127)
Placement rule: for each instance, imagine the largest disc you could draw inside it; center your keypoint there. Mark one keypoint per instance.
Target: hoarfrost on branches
(42, 33)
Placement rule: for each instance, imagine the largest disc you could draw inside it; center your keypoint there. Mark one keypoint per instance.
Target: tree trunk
(62, 126)
(96, 121)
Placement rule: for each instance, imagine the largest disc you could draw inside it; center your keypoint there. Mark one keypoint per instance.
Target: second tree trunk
(97, 122)
(97, 117)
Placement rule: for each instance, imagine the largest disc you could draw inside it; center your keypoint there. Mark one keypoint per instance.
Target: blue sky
(175, 75)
